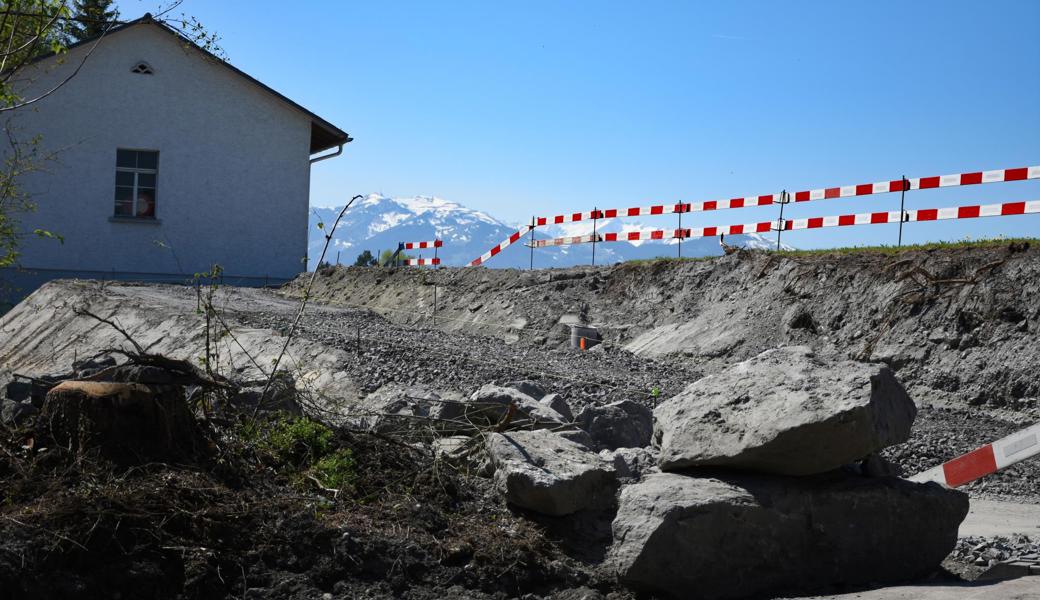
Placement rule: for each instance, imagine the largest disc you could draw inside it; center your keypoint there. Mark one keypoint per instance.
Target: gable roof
(324, 135)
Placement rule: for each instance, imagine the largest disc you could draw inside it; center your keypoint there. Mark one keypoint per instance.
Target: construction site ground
(959, 327)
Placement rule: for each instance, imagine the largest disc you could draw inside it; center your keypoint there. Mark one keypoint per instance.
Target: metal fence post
(902, 212)
(531, 244)
(678, 232)
(780, 221)
(595, 215)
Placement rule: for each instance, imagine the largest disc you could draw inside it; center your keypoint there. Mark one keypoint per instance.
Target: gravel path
(391, 353)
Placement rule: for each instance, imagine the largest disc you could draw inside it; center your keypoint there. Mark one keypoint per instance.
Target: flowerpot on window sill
(145, 220)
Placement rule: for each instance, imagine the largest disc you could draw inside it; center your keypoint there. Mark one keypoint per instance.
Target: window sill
(139, 220)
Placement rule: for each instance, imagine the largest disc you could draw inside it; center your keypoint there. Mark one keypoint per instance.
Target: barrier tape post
(595, 216)
(1028, 207)
(531, 266)
(780, 221)
(680, 212)
(903, 185)
(902, 210)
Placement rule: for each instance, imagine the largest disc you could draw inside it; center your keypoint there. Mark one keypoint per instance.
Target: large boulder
(631, 463)
(397, 408)
(555, 402)
(490, 404)
(624, 424)
(541, 471)
(530, 388)
(785, 411)
(744, 535)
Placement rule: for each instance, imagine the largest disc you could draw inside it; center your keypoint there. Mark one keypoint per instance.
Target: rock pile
(987, 552)
(765, 478)
(754, 498)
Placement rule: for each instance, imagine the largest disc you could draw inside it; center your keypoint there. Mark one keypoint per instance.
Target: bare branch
(64, 81)
(303, 302)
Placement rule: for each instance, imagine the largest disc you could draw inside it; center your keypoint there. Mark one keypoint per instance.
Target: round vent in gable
(142, 68)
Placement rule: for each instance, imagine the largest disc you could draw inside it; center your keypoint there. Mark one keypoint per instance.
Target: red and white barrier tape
(567, 241)
(500, 247)
(423, 245)
(924, 214)
(421, 262)
(846, 191)
(985, 460)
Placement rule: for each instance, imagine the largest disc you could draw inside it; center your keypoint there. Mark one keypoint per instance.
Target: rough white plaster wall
(233, 179)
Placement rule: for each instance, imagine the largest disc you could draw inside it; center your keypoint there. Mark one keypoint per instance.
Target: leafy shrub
(337, 470)
(299, 440)
(305, 449)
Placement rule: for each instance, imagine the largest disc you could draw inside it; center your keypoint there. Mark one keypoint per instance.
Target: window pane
(124, 209)
(146, 180)
(126, 158)
(124, 194)
(145, 202)
(147, 160)
(124, 178)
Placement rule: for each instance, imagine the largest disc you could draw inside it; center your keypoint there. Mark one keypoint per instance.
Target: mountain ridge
(379, 222)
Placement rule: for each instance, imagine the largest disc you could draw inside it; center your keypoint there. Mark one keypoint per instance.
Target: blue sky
(525, 108)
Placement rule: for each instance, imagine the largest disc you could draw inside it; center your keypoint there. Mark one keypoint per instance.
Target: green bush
(305, 449)
(337, 470)
(299, 440)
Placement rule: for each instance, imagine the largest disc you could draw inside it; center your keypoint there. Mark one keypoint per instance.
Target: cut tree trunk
(125, 422)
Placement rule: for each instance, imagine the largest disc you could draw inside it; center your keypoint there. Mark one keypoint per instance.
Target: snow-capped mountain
(378, 223)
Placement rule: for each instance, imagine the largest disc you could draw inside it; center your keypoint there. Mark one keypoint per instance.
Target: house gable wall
(233, 177)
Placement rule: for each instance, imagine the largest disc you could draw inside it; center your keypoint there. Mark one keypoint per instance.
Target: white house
(169, 161)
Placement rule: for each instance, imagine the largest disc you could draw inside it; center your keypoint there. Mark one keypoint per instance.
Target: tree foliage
(28, 29)
(365, 259)
(90, 19)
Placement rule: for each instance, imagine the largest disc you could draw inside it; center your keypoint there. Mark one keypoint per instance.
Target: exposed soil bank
(958, 324)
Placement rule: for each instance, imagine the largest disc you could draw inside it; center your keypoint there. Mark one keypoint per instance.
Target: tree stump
(127, 423)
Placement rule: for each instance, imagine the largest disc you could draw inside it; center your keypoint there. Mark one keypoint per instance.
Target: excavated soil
(959, 327)
(232, 526)
(958, 324)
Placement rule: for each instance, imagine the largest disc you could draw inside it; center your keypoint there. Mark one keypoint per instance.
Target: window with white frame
(136, 173)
